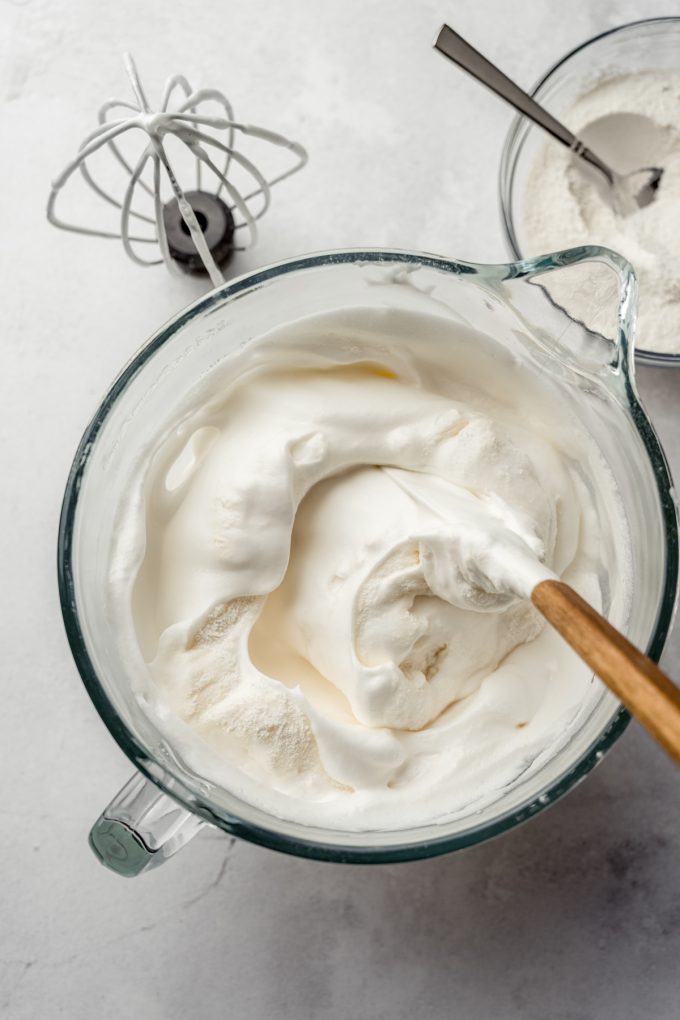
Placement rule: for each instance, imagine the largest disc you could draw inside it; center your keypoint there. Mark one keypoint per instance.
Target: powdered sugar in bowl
(620, 92)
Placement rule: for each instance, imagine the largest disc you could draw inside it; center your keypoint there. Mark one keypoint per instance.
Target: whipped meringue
(324, 571)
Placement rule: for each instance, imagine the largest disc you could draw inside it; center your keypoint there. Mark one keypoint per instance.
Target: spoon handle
(637, 681)
(466, 56)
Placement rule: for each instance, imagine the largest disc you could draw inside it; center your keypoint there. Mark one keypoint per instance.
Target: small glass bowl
(652, 44)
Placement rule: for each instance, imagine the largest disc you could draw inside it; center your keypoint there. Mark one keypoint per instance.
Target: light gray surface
(574, 916)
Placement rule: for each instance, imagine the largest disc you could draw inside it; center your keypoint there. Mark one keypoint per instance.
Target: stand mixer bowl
(165, 803)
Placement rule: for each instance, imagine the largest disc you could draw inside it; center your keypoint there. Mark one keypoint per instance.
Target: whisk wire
(190, 126)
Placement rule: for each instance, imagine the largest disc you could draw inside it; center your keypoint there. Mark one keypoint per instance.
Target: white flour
(630, 121)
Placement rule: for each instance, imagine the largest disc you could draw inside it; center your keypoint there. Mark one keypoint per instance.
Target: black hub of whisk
(215, 220)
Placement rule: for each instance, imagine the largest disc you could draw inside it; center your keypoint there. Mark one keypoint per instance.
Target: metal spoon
(629, 192)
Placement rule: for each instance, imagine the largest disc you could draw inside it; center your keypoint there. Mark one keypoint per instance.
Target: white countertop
(574, 916)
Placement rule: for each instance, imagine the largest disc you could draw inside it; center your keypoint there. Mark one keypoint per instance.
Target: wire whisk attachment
(196, 229)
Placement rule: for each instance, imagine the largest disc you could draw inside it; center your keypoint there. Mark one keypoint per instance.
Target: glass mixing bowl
(166, 803)
(650, 45)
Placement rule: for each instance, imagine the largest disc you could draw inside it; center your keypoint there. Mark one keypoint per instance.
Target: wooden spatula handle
(638, 682)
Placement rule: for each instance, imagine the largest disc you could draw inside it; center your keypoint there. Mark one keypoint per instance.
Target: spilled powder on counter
(631, 121)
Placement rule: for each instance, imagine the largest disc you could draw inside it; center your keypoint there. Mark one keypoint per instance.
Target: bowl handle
(141, 828)
(622, 364)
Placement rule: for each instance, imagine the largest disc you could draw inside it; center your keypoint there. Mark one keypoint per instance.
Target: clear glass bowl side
(188, 347)
(646, 45)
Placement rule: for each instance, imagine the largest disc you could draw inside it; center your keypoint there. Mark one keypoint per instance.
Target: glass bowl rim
(178, 789)
(514, 144)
